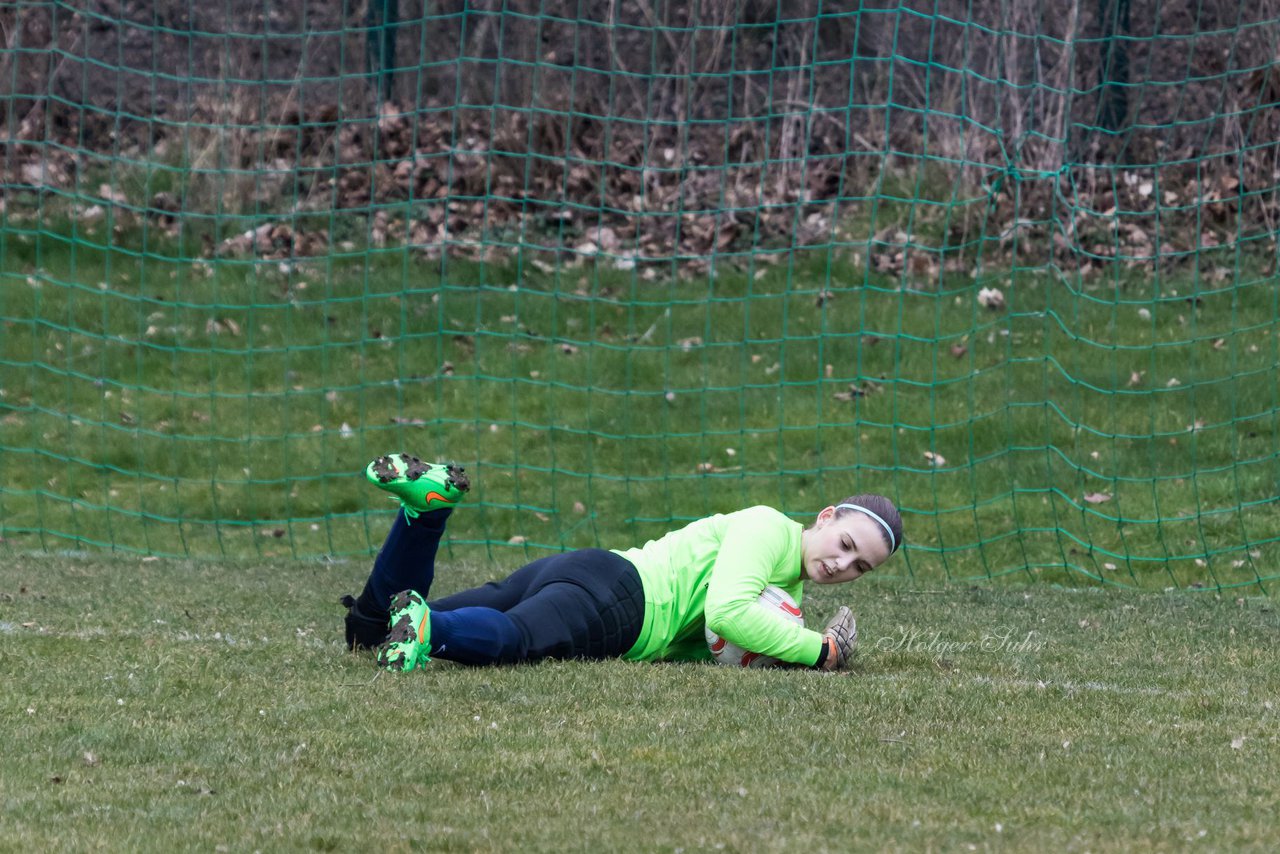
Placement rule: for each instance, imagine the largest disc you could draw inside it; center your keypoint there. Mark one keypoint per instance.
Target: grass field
(167, 410)
(168, 705)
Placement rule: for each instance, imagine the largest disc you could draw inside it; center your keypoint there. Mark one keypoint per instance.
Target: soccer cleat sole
(385, 470)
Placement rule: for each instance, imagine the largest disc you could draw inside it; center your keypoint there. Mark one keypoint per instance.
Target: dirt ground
(666, 129)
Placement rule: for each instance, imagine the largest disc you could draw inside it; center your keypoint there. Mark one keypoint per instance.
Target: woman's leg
(471, 627)
(407, 559)
(583, 604)
(500, 595)
(591, 606)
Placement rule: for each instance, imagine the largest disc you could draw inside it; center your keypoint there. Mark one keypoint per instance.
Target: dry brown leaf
(883, 262)
(992, 298)
(116, 197)
(217, 326)
(853, 392)
(711, 468)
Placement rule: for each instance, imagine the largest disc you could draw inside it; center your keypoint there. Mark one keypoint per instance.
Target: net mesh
(1012, 264)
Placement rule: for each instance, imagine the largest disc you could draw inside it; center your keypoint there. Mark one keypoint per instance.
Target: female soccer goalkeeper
(641, 604)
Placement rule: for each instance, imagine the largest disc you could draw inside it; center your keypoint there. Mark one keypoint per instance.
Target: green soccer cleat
(409, 642)
(419, 486)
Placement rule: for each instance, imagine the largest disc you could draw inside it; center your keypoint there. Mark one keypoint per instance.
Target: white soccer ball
(776, 601)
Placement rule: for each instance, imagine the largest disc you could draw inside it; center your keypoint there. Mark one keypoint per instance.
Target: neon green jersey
(710, 574)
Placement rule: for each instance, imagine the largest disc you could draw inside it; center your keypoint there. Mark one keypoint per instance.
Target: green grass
(151, 405)
(163, 705)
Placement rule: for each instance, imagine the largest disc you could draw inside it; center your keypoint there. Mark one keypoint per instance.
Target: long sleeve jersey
(709, 574)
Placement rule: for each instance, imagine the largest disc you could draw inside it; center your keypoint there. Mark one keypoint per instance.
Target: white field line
(1072, 687)
(1048, 684)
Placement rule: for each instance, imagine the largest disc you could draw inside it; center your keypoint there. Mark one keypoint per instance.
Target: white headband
(893, 541)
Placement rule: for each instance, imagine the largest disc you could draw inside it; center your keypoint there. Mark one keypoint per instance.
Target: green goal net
(1012, 264)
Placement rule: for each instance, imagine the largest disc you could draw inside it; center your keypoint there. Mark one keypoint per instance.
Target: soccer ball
(776, 601)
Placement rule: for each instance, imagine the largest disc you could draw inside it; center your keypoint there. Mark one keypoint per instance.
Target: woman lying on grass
(641, 604)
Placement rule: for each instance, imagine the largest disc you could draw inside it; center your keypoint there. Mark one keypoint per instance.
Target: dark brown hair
(882, 507)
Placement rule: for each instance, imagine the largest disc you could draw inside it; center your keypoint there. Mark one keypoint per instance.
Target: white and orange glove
(839, 639)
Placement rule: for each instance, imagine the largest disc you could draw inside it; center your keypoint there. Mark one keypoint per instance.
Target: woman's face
(844, 548)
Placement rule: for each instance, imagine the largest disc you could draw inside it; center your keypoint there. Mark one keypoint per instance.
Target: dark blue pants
(581, 604)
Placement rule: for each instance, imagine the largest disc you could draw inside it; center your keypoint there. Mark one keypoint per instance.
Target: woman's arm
(756, 543)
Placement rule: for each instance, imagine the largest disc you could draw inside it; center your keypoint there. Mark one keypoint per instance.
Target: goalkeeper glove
(839, 639)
